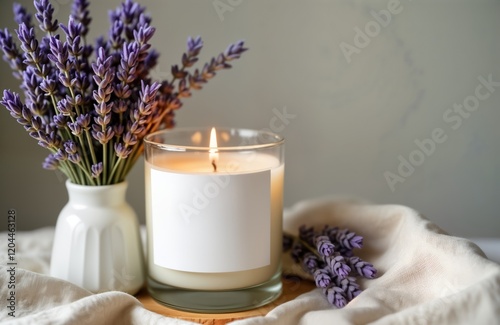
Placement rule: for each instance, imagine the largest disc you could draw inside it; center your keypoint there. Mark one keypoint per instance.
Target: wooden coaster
(292, 287)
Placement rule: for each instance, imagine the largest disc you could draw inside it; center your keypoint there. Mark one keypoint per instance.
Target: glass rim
(176, 147)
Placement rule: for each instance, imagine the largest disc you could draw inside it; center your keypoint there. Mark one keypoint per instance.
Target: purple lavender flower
(127, 70)
(129, 138)
(322, 278)
(61, 155)
(349, 239)
(142, 36)
(73, 40)
(234, 51)
(81, 83)
(52, 138)
(74, 158)
(335, 296)
(13, 103)
(116, 41)
(103, 78)
(11, 54)
(122, 151)
(96, 169)
(334, 272)
(310, 262)
(36, 124)
(49, 86)
(21, 15)
(83, 121)
(50, 163)
(349, 286)
(29, 44)
(344, 283)
(352, 292)
(64, 107)
(363, 268)
(77, 100)
(75, 128)
(338, 266)
(70, 147)
(101, 120)
(146, 106)
(130, 14)
(324, 246)
(80, 13)
(44, 16)
(36, 99)
(41, 137)
(26, 119)
(102, 136)
(194, 46)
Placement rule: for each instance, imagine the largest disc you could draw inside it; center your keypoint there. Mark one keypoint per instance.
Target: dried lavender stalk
(328, 256)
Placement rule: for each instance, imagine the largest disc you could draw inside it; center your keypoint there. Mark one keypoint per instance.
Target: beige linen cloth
(424, 277)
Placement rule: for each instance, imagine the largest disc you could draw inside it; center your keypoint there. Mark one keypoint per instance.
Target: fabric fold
(425, 276)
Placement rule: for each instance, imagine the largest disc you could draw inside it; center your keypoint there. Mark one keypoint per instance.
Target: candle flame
(213, 154)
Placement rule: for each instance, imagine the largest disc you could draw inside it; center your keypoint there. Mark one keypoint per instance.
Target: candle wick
(214, 165)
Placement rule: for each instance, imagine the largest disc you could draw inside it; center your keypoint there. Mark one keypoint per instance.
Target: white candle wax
(189, 168)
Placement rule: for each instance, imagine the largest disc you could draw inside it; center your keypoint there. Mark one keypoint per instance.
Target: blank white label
(211, 223)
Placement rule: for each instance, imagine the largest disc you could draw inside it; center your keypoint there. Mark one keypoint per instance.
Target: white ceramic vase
(97, 243)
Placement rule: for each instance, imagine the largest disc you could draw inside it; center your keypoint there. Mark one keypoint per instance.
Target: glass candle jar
(214, 210)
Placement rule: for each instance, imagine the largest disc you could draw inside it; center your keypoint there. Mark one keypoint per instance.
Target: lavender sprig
(11, 54)
(363, 268)
(338, 265)
(81, 14)
(322, 278)
(349, 239)
(35, 96)
(130, 14)
(44, 14)
(327, 256)
(335, 296)
(324, 246)
(21, 15)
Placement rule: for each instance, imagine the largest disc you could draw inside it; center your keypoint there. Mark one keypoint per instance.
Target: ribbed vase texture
(97, 243)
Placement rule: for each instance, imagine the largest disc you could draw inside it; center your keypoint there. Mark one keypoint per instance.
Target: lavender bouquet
(91, 105)
(328, 257)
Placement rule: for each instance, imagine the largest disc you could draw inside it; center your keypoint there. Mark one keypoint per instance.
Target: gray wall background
(352, 121)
